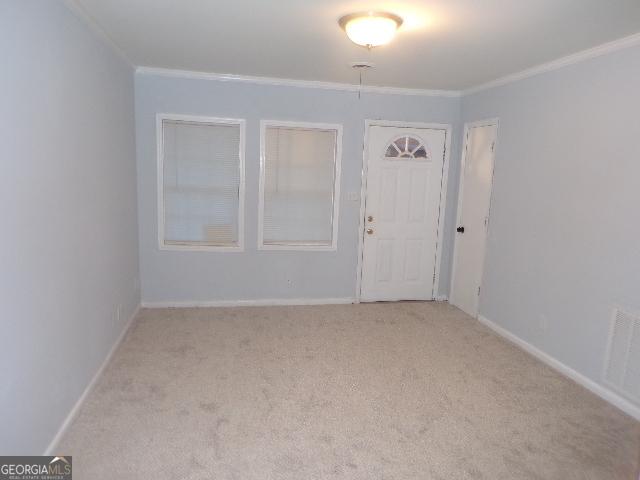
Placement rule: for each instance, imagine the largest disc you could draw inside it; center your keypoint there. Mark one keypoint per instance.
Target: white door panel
(401, 214)
(473, 217)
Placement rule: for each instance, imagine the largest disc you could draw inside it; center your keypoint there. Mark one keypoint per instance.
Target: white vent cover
(623, 358)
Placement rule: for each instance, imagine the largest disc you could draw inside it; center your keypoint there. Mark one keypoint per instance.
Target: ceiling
(443, 44)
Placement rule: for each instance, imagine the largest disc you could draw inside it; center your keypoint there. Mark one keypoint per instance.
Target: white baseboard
(442, 298)
(603, 392)
(249, 303)
(78, 405)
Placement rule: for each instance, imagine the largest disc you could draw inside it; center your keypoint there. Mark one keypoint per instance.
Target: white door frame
(463, 160)
(363, 192)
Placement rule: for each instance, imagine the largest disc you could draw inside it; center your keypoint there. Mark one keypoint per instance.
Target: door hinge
(478, 291)
(493, 146)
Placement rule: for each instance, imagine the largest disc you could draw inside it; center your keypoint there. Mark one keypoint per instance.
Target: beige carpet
(379, 391)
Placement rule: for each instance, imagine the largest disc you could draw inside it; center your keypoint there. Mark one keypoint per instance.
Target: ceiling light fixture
(370, 29)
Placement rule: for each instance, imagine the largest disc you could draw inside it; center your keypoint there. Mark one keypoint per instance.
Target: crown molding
(609, 47)
(95, 27)
(286, 82)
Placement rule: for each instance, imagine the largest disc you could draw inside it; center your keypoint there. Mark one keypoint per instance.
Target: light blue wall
(564, 240)
(68, 248)
(173, 276)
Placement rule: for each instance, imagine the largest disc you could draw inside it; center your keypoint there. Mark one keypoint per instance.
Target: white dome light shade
(370, 29)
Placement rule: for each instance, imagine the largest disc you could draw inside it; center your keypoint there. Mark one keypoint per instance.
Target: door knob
(460, 229)
(369, 231)
(370, 218)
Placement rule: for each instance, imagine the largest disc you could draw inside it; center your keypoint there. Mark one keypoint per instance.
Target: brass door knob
(369, 231)
(370, 218)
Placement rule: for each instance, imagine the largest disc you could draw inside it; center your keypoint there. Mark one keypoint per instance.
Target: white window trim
(160, 118)
(264, 124)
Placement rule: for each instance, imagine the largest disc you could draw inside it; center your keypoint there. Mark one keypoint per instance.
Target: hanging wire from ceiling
(361, 67)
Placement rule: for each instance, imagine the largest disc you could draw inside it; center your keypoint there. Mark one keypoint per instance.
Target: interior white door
(402, 207)
(474, 201)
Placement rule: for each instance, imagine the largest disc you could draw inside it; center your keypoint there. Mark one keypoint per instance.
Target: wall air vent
(622, 371)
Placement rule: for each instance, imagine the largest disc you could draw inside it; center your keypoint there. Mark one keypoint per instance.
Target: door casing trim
(443, 193)
(463, 160)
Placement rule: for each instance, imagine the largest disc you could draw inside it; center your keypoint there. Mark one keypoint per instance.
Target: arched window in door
(407, 147)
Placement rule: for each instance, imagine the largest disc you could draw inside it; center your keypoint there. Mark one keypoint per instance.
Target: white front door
(402, 210)
(474, 199)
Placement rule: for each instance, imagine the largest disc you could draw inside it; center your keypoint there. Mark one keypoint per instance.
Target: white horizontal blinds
(201, 176)
(299, 181)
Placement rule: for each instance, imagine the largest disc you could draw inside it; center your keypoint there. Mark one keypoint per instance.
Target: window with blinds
(202, 182)
(299, 185)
